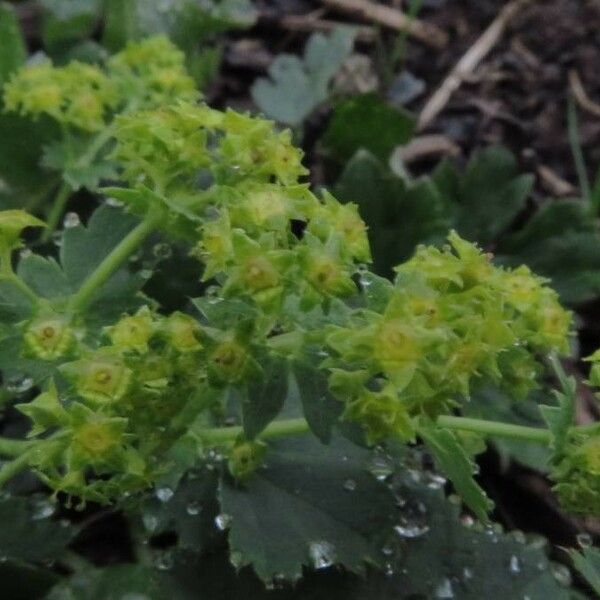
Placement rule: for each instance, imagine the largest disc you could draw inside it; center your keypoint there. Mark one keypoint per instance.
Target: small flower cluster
(450, 319)
(114, 407)
(83, 96)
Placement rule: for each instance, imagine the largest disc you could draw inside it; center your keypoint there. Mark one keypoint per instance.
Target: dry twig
(308, 24)
(393, 19)
(555, 184)
(427, 146)
(469, 62)
(580, 95)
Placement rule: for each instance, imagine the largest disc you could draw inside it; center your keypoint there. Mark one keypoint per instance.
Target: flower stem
(12, 447)
(496, 429)
(127, 246)
(14, 467)
(223, 435)
(57, 210)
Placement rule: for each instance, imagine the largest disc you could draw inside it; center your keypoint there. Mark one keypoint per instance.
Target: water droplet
(164, 494)
(223, 521)
(19, 384)
(193, 508)
(150, 522)
(164, 561)
(25, 253)
(71, 220)
(57, 238)
(514, 565)
(387, 550)
(467, 573)
(213, 294)
(561, 574)
(162, 251)
(584, 540)
(349, 485)
(434, 481)
(518, 536)
(413, 520)
(380, 467)
(388, 569)
(444, 590)
(113, 202)
(42, 509)
(467, 520)
(322, 554)
(146, 273)
(492, 534)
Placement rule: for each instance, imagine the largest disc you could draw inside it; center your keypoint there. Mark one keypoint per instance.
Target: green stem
(127, 246)
(57, 210)
(223, 435)
(11, 447)
(496, 429)
(14, 467)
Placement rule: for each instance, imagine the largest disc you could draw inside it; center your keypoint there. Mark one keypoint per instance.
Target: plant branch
(496, 429)
(127, 246)
(13, 447)
(57, 210)
(14, 467)
(223, 435)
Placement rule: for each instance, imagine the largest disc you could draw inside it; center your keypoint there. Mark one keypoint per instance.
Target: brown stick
(469, 62)
(305, 23)
(579, 93)
(394, 19)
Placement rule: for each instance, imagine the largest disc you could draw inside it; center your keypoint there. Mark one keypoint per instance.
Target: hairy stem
(57, 210)
(127, 246)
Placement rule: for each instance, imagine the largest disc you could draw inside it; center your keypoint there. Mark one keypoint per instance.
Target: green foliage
(587, 562)
(297, 86)
(257, 419)
(12, 46)
(366, 122)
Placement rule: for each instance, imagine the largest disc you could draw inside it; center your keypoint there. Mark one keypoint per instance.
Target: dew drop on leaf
(322, 554)
(146, 273)
(71, 220)
(584, 540)
(413, 520)
(223, 521)
(162, 251)
(350, 485)
(164, 494)
(561, 574)
(514, 565)
(150, 522)
(380, 467)
(193, 508)
(435, 481)
(42, 509)
(25, 253)
(19, 384)
(164, 560)
(444, 590)
(113, 202)
(467, 573)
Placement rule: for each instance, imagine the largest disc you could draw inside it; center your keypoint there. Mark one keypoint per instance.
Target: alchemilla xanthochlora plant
(293, 336)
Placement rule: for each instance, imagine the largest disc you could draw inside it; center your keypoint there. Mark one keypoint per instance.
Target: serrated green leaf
(309, 503)
(321, 410)
(44, 276)
(400, 215)
(560, 418)
(190, 513)
(22, 581)
(454, 462)
(66, 22)
(486, 199)
(587, 562)
(493, 404)
(366, 121)
(265, 397)
(297, 86)
(28, 533)
(15, 305)
(562, 243)
(13, 51)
